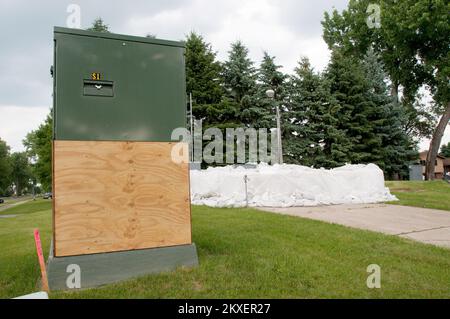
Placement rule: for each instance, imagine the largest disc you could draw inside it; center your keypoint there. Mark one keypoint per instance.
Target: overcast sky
(287, 29)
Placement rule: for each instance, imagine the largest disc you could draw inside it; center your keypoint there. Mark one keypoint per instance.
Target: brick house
(447, 166)
(439, 168)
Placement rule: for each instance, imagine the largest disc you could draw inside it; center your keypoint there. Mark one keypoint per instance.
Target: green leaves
(413, 42)
(38, 144)
(21, 173)
(5, 169)
(445, 150)
(15, 172)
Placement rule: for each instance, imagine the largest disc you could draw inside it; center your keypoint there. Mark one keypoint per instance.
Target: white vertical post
(246, 190)
(192, 127)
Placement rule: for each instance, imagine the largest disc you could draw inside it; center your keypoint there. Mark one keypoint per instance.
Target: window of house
(424, 163)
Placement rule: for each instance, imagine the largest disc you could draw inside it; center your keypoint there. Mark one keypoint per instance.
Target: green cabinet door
(112, 87)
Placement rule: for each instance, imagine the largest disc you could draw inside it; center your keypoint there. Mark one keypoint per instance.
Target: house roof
(426, 152)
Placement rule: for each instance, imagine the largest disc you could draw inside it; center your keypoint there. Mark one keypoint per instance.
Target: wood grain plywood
(117, 196)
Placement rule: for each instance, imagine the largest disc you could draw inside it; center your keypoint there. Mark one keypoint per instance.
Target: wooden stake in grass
(37, 240)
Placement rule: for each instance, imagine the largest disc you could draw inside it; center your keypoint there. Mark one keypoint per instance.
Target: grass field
(19, 270)
(435, 194)
(245, 253)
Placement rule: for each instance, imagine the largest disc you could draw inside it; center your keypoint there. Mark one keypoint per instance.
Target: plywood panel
(117, 196)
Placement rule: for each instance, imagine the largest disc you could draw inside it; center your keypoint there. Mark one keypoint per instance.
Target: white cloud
(17, 121)
(425, 143)
(260, 24)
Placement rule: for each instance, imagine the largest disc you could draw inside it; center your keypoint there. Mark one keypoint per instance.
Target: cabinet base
(101, 269)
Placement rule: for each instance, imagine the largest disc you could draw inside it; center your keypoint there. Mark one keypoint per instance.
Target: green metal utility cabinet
(121, 205)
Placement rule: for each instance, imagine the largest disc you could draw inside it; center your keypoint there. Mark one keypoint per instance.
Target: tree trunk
(435, 143)
(394, 91)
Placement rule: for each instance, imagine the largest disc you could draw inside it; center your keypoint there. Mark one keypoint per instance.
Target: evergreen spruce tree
(269, 77)
(239, 80)
(395, 149)
(99, 26)
(357, 115)
(202, 71)
(239, 76)
(312, 136)
(204, 81)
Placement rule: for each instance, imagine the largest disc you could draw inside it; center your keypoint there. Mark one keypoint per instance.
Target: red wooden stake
(37, 240)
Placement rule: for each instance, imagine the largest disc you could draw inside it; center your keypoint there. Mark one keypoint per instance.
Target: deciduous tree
(413, 40)
(38, 145)
(5, 168)
(21, 172)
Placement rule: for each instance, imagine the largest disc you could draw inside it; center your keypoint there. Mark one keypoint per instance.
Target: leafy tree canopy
(445, 150)
(39, 148)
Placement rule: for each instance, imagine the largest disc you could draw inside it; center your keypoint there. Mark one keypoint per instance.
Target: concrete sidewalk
(429, 226)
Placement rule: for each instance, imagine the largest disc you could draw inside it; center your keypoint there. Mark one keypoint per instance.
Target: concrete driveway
(429, 226)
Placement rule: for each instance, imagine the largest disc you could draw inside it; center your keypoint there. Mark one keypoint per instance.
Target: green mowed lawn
(246, 253)
(435, 194)
(19, 267)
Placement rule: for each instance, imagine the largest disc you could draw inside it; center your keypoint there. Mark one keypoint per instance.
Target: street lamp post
(271, 95)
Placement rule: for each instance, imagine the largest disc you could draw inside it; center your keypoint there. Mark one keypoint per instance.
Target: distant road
(15, 202)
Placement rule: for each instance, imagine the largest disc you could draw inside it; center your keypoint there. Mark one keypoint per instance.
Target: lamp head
(270, 93)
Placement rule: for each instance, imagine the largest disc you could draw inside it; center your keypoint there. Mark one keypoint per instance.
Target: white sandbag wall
(288, 185)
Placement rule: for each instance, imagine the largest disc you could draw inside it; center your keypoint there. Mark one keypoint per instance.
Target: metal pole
(246, 190)
(192, 127)
(280, 147)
